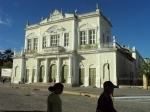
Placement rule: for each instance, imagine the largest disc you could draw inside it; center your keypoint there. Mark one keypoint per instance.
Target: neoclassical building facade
(75, 49)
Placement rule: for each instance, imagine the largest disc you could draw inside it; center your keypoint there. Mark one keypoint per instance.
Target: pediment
(31, 35)
(56, 15)
(55, 29)
(87, 26)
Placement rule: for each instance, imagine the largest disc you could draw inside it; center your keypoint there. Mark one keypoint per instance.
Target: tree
(145, 71)
(8, 54)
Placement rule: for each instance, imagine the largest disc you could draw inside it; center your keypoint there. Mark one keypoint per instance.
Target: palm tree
(8, 54)
(145, 71)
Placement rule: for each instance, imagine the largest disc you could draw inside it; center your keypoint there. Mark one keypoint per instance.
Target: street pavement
(84, 91)
(30, 100)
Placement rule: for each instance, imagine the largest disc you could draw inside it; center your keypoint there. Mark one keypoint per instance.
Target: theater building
(75, 49)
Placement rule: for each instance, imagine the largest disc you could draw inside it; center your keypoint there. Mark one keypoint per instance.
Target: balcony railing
(53, 49)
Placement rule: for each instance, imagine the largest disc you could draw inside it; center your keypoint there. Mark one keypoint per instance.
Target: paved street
(12, 99)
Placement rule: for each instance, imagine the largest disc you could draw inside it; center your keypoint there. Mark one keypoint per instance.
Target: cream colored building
(75, 49)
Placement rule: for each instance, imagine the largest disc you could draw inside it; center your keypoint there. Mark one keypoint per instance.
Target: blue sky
(130, 19)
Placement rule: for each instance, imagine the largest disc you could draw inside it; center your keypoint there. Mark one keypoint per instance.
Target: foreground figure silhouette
(105, 103)
(53, 101)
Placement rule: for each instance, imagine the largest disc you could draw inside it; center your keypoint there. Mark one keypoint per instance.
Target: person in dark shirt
(105, 103)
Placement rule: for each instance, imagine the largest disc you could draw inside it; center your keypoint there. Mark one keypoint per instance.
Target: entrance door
(81, 76)
(53, 73)
(64, 74)
(33, 74)
(92, 77)
(27, 75)
(42, 73)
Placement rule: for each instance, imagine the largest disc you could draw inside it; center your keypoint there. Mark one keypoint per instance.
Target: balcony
(53, 49)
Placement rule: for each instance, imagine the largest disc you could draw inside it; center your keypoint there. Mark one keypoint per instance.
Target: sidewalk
(83, 91)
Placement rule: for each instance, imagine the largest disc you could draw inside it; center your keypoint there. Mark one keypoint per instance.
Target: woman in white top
(53, 101)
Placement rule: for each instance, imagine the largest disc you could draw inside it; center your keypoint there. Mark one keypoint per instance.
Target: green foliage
(145, 69)
(6, 59)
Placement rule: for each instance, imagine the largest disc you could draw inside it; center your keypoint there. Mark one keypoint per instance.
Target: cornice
(49, 22)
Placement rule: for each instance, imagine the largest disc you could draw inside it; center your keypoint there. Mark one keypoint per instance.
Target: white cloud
(4, 18)
(11, 41)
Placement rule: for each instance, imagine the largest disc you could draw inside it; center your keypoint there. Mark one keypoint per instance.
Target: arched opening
(92, 76)
(53, 73)
(16, 71)
(64, 74)
(27, 75)
(42, 73)
(81, 75)
(106, 72)
(33, 75)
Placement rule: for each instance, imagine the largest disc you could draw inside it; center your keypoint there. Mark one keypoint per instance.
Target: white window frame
(92, 36)
(66, 39)
(83, 37)
(55, 40)
(35, 43)
(29, 44)
(44, 42)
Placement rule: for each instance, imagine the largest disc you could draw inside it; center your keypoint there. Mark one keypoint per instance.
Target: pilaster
(46, 71)
(37, 71)
(115, 70)
(98, 41)
(58, 69)
(70, 70)
(98, 75)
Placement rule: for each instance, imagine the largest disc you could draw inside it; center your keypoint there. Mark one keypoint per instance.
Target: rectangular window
(44, 41)
(82, 37)
(92, 36)
(29, 44)
(66, 39)
(55, 40)
(35, 43)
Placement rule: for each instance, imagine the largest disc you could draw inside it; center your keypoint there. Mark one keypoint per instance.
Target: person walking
(105, 103)
(54, 103)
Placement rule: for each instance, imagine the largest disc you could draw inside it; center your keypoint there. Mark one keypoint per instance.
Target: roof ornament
(114, 39)
(42, 18)
(27, 23)
(97, 6)
(76, 12)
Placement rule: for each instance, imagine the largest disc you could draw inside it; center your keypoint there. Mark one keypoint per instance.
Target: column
(87, 37)
(49, 41)
(37, 71)
(22, 69)
(114, 80)
(98, 75)
(46, 71)
(58, 69)
(70, 70)
(79, 38)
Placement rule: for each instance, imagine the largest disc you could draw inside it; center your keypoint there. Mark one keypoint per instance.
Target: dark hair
(56, 86)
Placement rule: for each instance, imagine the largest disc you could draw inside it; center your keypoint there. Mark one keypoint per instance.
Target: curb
(64, 92)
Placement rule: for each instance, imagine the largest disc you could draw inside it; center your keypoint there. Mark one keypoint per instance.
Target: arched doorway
(16, 73)
(42, 73)
(106, 72)
(27, 76)
(92, 76)
(65, 71)
(81, 75)
(53, 73)
(33, 75)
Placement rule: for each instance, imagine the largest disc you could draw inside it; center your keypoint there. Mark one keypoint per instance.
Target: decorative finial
(42, 18)
(133, 49)
(97, 6)
(61, 11)
(27, 23)
(114, 37)
(76, 12)
(14, 51)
